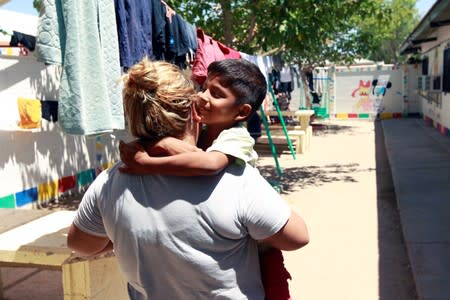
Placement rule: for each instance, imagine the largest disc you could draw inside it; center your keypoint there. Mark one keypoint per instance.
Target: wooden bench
(299, 136)
(38, 239)
(302, 133)
(284, 113)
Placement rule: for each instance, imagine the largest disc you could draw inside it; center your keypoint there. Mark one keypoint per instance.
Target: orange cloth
(30, 113)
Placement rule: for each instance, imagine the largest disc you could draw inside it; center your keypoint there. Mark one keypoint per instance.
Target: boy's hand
(133, 155)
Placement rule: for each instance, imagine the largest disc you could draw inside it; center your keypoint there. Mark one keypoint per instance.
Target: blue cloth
(134, 27)
(158, 29)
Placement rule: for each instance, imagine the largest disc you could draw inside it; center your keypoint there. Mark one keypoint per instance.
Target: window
(446, 75)
(427, 83)
(420, 85)
(436, 83)
(425, 65)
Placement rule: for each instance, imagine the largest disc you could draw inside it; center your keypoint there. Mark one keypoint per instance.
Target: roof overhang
(426, 30)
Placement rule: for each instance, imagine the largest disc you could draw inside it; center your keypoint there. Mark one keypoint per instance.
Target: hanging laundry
(171, 48)
(208, 51)
(286, 75)
(21, 39)
(50, 41)
(158, 29)
(274, 78)
(191, 32)
(180, 41)
(29, 112)
(82, 36)
(50, 110)
(134, 28)
(265, 63)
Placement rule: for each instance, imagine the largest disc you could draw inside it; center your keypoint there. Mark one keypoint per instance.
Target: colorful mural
(364, 103)
(376, 88)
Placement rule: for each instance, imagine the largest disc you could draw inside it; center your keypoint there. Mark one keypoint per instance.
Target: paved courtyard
(342, 186)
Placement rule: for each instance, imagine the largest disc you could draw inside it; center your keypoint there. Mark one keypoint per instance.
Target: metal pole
(283, 125)
(269, 137)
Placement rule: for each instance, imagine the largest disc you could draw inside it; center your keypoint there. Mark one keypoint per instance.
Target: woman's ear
(195, 117)
(244, 112)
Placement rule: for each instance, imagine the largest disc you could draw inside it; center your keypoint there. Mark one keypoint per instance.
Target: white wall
(29, 158)
(439, 111)
(11, 20)
(355, 93)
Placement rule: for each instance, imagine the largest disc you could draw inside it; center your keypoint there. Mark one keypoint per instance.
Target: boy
(233, 91)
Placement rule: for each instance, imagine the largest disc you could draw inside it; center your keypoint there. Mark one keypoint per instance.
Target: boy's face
(216, 105)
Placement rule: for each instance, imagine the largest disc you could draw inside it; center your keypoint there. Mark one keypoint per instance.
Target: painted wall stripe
(8, 202)
(67, 183)
(386, 115)
(50, 190)
(85, 177)
(26, 197)
(47, 191)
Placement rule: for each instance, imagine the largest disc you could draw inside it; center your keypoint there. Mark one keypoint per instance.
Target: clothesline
(5, 32)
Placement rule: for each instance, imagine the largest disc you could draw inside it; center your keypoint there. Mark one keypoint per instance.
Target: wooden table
(38, 239)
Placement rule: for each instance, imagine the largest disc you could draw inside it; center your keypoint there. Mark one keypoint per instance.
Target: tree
(37, 5)
(390, 29)
(306, 31)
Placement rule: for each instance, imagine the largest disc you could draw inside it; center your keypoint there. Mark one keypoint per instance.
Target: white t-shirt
(285, 74)
(236, 142)
(185, 237)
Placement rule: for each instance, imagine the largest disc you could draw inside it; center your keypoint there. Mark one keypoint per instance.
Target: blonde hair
(157, 99)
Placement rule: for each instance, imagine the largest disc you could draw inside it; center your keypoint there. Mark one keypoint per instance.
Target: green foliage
(389, 28)
(37, 5)
(306, 31)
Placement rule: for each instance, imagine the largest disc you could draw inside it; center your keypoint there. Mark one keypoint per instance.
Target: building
(430, 41)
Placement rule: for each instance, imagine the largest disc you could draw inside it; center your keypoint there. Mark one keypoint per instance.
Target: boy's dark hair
(243, 78)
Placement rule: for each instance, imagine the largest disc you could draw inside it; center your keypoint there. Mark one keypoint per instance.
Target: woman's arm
(87, 244)
(292, 236)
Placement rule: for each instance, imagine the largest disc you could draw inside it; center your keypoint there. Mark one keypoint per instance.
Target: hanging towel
(50, 41)
(90, 95)
(30, 113)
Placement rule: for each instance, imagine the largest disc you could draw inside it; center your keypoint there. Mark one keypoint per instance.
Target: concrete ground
(342, 186)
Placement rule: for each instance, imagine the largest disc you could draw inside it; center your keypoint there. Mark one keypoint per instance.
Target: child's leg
(273, 274)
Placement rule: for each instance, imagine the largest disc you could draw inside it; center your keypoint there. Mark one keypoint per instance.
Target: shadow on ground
(301, 177)
(327, 129)
(396, 280)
